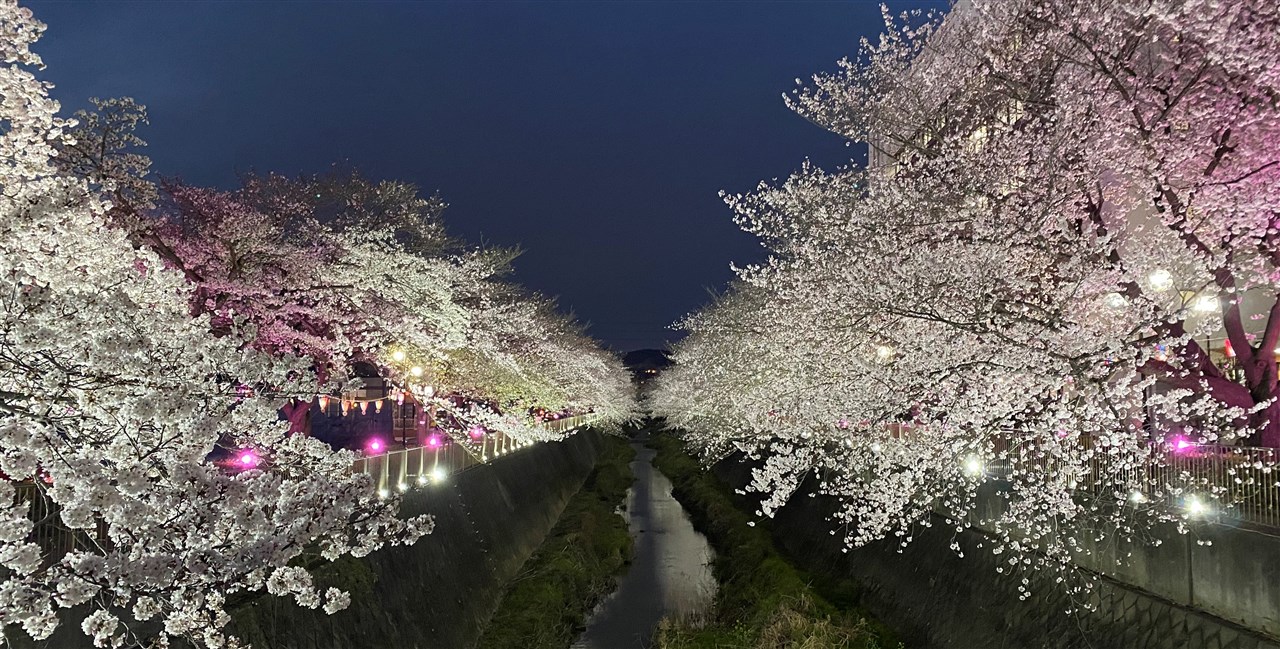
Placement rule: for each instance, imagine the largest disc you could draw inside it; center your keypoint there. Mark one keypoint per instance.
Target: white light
(397, 356)
(383, 493)
(1116, 300)
(403, 486)
(1195, 507)
(1206, 303)
(973, 466)
(416, 370)
(884, 352)
(1161, 279)
(438, 474)
(875, 447)
(1137, 497)
(422, 479)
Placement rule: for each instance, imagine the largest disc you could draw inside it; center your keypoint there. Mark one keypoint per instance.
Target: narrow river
(670, 576)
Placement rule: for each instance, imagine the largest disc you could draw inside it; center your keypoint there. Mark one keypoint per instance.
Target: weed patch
(763, 602)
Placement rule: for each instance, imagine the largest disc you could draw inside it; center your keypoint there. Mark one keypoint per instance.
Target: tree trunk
(298, 413)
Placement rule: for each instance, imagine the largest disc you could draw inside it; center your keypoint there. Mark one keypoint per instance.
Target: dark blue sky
(595, 135)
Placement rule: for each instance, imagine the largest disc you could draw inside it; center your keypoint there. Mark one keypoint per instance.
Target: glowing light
(383, 493)
(1206, 303)
(973, 466)
(476, 432)
(1116, 300)
(439, 474)
(884, 352)
(1182, 445)
(875, 447)
(1137, 497)
(422, 479)
(434, 441)
(416, 370)
(375, 445)
(1195, 507)
(397, 356)
(1161, 279)
(248, 459)
(403, 486)
(323, 400)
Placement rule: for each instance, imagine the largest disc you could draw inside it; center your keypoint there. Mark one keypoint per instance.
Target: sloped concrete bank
(440, 592)
(937, 600)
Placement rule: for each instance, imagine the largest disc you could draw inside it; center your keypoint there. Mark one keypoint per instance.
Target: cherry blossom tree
(1062, 198)
(115, 396)
(343, 269)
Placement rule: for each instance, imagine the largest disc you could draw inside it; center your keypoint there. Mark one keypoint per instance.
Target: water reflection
(671, 573)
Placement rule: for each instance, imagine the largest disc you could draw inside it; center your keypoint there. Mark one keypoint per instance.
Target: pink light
(248, 459)
(1181, 445)
(476, 432)
(842, 423)
(433, 441)
(375, 445)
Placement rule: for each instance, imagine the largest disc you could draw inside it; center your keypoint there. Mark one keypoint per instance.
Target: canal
(670, 575)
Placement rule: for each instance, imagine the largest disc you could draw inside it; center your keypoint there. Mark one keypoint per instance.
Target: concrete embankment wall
(1175, 595)
(440, 592)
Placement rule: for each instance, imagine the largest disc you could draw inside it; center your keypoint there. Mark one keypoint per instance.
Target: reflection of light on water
(670, 576)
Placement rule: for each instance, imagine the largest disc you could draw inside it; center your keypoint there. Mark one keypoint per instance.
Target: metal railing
(1219, 483)
(403, 469)
(400, 469)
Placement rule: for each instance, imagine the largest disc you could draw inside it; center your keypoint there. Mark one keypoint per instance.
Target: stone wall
(1178, 595)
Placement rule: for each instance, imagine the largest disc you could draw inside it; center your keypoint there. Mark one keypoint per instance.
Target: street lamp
(1206, 304)
(1161, 279)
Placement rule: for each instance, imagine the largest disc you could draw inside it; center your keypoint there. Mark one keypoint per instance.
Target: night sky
(594, 135)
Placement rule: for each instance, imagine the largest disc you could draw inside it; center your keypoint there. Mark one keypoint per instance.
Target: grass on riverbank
(764, 602)
(578, 563)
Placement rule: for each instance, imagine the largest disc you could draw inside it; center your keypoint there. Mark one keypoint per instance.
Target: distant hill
(645, 363)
